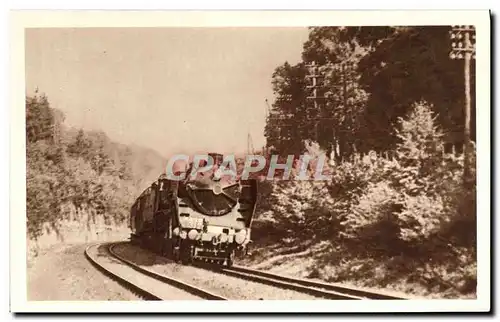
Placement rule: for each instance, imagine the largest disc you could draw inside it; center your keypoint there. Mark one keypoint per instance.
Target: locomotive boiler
(202, 218)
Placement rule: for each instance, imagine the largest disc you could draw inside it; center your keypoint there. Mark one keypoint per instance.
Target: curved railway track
(326, 290)
(154, 290)
(317, 289)
(279, 283)
(108, 271)
(146, 284)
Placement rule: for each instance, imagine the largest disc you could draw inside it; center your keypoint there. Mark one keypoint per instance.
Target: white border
(33, 19)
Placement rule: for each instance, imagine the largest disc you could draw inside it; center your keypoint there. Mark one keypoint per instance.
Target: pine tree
(81, 146)
(420, 149)
(39, 119)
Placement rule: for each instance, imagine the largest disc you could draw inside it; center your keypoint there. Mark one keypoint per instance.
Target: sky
(176, 90)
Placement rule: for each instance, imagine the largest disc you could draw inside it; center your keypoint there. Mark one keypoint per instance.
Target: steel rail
(166, 279)
(313, 286)
(141, 292)
(314, 291)
(318, 289)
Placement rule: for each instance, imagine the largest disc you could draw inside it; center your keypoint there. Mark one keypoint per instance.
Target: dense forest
(76, 173)
(369, 77)
(389, 110)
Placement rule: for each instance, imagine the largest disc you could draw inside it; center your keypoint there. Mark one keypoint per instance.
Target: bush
(419, 190)
(410, 214)
(374, 213)
(296, 208)
(421, 217)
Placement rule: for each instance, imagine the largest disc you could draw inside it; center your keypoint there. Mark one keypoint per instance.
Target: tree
(415, 198)
(125, 169)
(81, 146)
(40, 120)
(396, 67)
(287, 124)
(101, 160)
(45, 165)
(85, 172)
(341, 109)
(405, 65)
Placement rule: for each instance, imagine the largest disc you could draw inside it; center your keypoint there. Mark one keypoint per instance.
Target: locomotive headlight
(193, 234)
(183, 234)
(176, 231)
(240, 236)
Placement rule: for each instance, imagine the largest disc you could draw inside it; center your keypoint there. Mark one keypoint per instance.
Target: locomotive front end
(203, 216)
(214, 220)
(212, 243)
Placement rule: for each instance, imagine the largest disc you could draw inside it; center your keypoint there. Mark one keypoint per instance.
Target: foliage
(46, 181)
(374, 210)
(364, 69)
(77, 171)
(40, 119)
(340, 117)
(407, 208)
(406, 65)
(418, 190)
(284, 130)
(421, 217)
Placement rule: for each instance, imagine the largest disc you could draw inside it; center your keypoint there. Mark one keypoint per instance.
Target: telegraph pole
(464, 47)
(314, 97)
(276, 121)
(342, 69)
(344, 98)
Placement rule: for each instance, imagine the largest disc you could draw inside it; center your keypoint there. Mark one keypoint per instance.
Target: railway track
(317, 289)
(314, 291)
(326, 290)
(171, 288)
(320, 290)
(142, 281)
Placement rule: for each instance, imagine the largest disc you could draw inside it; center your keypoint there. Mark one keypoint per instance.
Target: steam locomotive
(202, 218)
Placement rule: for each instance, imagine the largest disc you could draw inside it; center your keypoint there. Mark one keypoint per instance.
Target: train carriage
(205, 218)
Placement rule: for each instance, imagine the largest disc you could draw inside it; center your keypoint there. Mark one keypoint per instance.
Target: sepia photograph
(291, 158)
